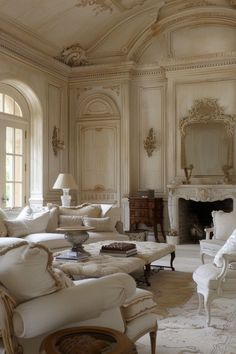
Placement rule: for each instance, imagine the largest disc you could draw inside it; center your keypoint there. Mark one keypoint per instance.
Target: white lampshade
(65, 181)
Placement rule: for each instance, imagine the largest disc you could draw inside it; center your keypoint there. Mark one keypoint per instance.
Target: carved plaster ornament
(73, 56)
(104, 5)
(150, 142)
(206, 110)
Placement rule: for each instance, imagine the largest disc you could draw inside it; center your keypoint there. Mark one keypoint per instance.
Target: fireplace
(194, 216)
(192, 204)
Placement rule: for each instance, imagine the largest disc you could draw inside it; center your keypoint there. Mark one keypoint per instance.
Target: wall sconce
(150, 142)
(57, 142)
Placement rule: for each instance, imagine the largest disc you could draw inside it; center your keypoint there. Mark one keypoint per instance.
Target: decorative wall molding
(20, 51)
(194, 16)
(115, 88)
(98, 106)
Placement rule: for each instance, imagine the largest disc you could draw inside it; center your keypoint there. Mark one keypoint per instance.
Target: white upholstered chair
(217, 279)
(36, 300)
(223, 226)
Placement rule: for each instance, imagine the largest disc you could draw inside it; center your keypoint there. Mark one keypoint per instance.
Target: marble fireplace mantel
(198, 193)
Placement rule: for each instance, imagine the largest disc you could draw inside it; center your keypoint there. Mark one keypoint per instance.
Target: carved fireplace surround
(198, 193)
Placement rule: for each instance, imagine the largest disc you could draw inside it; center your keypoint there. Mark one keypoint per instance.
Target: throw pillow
(26, 212)
(26, 271)
(99, 224)
(92, 210)
(70, 220)
(3, 229)
(224, 224)
(229, 247)
(105, 209)
(53, 219)
(18, 228)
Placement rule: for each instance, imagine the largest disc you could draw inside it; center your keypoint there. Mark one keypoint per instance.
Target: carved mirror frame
(208, 111)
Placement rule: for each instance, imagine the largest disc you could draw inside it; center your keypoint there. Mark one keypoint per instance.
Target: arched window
(14, 148)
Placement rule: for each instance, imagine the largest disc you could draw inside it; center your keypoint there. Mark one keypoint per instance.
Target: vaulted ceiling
(103, 28)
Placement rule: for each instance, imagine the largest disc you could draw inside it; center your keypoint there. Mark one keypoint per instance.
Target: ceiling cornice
(92, 72)
(195, 16)
(20, 51)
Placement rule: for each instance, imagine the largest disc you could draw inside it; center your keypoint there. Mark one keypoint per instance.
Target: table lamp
(65, 181)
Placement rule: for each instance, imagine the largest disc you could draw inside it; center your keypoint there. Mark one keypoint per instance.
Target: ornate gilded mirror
(207, 138)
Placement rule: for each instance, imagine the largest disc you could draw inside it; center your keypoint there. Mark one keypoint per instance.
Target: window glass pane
(9, 140)
(18, 195)
(18, 141)
(1, 102)
(18, 111)
(18, 168)
(9, 105)
(9, 168)
(9, 195)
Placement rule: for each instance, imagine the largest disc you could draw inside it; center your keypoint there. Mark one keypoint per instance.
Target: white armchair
(217, 279)
(36, 299)
(223, 226)
(213, 282)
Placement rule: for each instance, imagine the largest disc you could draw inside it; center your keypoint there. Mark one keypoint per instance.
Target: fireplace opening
(195, 216)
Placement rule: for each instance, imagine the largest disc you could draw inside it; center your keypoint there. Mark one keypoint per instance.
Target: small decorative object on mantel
(188, 173)
(150, 143)
(57, 142)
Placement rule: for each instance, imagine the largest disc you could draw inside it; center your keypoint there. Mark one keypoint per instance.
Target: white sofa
(36, 299)
(223, 225)
(40, 225)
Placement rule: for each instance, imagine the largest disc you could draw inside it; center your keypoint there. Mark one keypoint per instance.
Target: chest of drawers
(148, 211)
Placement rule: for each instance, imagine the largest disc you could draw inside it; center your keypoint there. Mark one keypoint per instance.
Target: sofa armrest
(88, 299)
(208, 231)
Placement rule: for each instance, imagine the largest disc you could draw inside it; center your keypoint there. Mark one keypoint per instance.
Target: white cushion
(103, 236)
(105, 209)
(206, 277)
(26, 212)
(9, 241)
(3, 229)
(92, 210)
(224, 224)
(53, 220)
(229, 247)
(18, 228)
(51, 240)
(87, 300)
(70, 220)
(99, 224)
(139, 304)
(26, 271)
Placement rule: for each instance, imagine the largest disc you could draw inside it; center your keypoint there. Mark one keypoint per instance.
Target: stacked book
(119, 249)
(71, 256)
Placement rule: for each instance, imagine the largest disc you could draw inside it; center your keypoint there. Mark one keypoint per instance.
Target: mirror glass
(206, 148)
(207, 139)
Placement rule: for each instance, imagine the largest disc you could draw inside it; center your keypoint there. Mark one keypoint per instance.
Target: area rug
(181, 330)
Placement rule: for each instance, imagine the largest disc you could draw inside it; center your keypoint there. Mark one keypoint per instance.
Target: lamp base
(65, 199)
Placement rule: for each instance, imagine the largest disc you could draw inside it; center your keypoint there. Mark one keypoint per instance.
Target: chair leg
(200, 302)
(207, 305)
(153, 337)
(202, 257)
